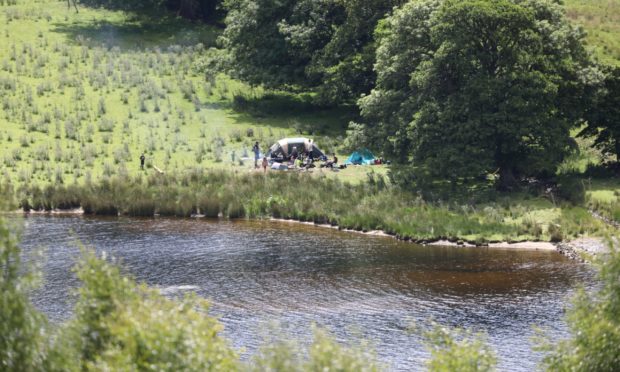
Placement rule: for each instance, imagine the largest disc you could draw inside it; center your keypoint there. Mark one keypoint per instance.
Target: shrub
(555, 233)
(571, 189)
(324, 354)
(22, 328)
(456, 350)
(120, 325)
(106, 125)
(594, 323)
(141, 206)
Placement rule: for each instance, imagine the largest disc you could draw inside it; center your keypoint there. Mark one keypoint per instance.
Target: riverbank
(578, 249)
(366, 207)
(259, 272)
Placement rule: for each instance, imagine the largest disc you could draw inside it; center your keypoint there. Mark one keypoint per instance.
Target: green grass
(84, 94)
(63, 75)
(601, 20)
(366, 206)
(603, 196)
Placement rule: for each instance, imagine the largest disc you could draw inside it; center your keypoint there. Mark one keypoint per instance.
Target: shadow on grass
(294, 111)
(140, 32)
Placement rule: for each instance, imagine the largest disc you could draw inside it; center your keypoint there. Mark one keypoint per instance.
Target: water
(258, 273)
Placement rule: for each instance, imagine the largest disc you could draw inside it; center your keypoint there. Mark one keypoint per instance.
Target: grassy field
(83, 95)
(601, 20)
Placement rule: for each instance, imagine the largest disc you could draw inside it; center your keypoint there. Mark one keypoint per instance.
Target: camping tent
(284, 147)
(361, 157)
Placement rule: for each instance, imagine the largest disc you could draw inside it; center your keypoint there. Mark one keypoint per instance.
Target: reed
(361, 207)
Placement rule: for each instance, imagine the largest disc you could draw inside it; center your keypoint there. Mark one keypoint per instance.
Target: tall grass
(362, 207)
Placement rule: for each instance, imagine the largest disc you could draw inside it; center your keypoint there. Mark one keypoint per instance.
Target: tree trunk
(507, 180)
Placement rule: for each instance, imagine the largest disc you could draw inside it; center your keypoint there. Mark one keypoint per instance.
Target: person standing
(256, 150)
(265, 164)
(294, 154)
(142, 159)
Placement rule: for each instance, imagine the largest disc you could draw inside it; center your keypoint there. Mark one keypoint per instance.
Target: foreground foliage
(119, 325)
(594, 321)
(22, 328)
(456, 350)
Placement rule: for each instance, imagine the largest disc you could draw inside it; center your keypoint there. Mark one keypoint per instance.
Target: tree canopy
(603, 115)
(475, 87)
(192, 9)
(321, 45)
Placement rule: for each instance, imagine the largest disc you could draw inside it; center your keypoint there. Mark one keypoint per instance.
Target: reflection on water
(258, 272)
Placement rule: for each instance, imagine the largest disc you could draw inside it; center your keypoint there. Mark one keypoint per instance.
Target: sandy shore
(529, 245)
(584, 249)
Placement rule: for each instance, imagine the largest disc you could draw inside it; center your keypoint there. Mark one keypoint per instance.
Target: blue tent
(361, 157)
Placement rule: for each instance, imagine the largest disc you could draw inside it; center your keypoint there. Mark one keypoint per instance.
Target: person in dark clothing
(256, 151)
(331, 163)
(294, 154)
(142, 159)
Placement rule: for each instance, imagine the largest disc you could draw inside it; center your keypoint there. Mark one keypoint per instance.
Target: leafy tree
(475, 87)
(324, 354)
(324, 45)
(192, 9)
(457, 350)
(22, 328)
(603, 115)
(127, 5)
(594, 322)
(120, 325)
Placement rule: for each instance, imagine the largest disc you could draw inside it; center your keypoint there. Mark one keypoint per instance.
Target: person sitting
(308, 163)
(332, 163)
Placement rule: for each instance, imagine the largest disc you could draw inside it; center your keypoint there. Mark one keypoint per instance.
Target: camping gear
(284, 147)
(279, 166)
(361, 157)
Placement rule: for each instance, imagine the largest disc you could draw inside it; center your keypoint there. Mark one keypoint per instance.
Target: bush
(555, 233)
(456, 350)
(22, 328)
(594, 322)
(120, 325)
(572, 190)
(142, 206)
(235, 210)
(324, 354)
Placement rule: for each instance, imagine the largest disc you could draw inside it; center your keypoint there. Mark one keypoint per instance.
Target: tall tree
(192, 9)
(322, 45)
(467, 88)
(603, 115)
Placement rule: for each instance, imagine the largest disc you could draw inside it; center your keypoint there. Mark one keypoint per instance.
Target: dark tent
(361, 157)
(284, 147)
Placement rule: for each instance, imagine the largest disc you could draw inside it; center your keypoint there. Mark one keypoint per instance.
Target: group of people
(301, 160)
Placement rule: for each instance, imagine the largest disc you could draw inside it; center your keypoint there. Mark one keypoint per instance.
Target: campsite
(301, 185)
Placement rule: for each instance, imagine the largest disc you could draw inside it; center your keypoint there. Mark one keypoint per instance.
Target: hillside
(601, 20)
(84, 94)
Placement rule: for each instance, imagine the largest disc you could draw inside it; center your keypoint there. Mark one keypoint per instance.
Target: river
(260, 273)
